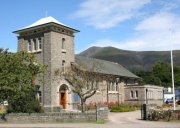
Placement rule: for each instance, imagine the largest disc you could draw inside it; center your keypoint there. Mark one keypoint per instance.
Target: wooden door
(62, 98)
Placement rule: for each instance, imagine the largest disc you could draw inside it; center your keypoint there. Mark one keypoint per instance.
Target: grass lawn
(175, 121)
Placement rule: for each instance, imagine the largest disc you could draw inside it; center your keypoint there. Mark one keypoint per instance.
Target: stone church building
(52, 43)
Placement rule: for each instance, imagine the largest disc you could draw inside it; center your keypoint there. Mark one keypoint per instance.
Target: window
(35, 47)
(63, 43)
(109, 86)
(112, 87)
(136, 94)
(131, 94)
(87, 86)
(97, 85)
(40, 43)
(39, 96)
(63, 64)
(29, 45)
(116, 86)
(126, 81)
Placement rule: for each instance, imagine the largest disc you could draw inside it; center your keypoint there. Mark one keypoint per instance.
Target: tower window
(35, 47)
(29, 45)
(40, 43)
(63, 65)
(63, 43)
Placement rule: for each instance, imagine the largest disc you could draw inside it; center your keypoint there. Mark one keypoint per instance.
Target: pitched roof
(104, 67)
(44, 21)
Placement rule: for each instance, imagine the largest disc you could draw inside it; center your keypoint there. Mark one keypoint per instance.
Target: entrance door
(62, 99)
(62, 96)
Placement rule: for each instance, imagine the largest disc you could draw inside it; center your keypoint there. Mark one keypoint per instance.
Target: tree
(160, 75)
(17, 74)
(162, 70)
(83, 82)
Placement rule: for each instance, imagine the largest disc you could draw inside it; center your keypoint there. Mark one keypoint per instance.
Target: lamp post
(172, 71)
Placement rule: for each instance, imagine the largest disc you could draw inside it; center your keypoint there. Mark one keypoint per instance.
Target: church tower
(52, 43)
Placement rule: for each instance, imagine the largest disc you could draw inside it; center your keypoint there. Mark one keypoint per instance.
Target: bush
(112, 105)
(24, 104)
(161, 115)
(122, 109)
(168, 105)
(159, 106)
(2, 109)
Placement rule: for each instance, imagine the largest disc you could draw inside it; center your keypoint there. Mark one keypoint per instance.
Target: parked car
(169, 101)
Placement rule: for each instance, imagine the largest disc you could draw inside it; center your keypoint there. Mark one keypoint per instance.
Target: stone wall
(100, 115)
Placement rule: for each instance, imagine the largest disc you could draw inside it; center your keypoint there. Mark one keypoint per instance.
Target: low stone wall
(177, 114)
(101, 114)
(48, 117)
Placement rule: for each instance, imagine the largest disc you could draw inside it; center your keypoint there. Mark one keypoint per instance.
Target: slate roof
(45, 21)
(104, 67)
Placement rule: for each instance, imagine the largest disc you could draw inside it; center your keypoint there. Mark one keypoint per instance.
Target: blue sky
(139, 25)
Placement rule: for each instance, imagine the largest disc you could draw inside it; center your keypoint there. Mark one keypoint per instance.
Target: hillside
(132, 60)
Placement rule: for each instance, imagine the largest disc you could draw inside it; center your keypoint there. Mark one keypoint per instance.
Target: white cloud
(159, 22)
(150, 34)
(103, 14)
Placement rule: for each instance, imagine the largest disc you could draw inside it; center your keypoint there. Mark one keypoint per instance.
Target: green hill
(132, 60)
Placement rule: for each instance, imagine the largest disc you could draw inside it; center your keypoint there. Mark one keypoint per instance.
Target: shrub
(159, 106)
(24, 104)
(161, 115)
(112, 104)
(122, 109)
(168, 105)
(2, 109)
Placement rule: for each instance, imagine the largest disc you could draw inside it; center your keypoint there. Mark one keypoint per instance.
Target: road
(116, 120)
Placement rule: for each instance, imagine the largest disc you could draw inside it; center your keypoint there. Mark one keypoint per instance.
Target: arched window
(63, 65)
(35, 47)
(40, 43)
(63, 43)
(29, 45)
(131, 94)
(136, 94)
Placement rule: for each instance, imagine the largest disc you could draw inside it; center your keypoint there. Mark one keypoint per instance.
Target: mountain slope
(132, 60)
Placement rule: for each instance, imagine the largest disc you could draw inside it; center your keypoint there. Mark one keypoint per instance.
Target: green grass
(175, 121)
(122, 109)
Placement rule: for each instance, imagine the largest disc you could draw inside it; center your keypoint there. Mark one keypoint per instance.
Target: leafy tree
(17, 75)
(162, 70)
(160, 75)
(177, 75)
